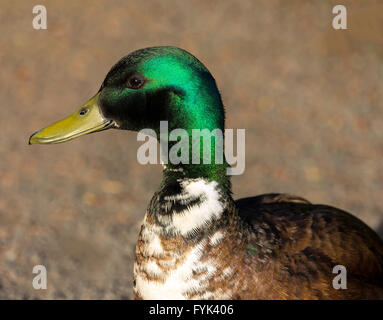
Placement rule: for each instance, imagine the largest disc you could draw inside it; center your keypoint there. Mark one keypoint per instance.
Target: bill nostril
(83, 111)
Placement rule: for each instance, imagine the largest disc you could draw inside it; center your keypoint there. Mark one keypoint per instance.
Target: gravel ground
(310, 98)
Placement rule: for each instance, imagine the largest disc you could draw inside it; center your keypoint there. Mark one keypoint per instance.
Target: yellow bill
(86, 120)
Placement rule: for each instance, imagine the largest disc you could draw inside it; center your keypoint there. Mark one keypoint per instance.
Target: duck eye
(135, 82)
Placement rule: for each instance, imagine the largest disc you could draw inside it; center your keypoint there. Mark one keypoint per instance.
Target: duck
(196, 241)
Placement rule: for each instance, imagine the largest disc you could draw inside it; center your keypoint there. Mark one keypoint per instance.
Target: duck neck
(192, 196)
(192, 208)
(191, 153)
(196, 189)
(174, 174)
(192, 140)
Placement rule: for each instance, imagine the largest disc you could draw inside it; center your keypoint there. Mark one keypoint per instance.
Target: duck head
(144, 88)
(147, 86)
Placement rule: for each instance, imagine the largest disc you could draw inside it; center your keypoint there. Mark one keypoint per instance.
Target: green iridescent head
(144, 88)
(161, 84)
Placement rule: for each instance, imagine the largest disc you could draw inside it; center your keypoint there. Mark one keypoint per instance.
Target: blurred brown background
(309, 96)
